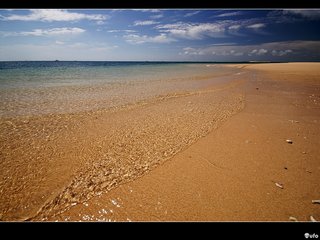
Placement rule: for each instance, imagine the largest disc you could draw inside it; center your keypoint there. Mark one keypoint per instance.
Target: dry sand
(234, 173)
(224, 155)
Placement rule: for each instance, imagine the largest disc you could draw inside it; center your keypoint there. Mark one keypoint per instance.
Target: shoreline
(54, 162)
(234, 173)
(215, 154)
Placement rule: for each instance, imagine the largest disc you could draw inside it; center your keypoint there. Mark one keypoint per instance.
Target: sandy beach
(244, 147)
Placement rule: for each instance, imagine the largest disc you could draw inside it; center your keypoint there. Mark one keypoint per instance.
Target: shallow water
(72, 132)
(35, 88)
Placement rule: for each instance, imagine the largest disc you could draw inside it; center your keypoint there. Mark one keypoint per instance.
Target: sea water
(44, 87)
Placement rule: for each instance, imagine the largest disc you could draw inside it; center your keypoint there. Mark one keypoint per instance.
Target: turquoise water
(47, 74)
(33, 88)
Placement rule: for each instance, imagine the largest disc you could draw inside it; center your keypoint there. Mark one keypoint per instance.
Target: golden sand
(53, 162)
(234, 173)
(213, 154)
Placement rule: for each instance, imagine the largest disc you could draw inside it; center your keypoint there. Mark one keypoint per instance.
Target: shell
(279, 185)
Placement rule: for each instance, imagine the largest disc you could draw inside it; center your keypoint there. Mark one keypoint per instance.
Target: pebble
(293, 219)
(292, 121)
(289, 141)
(312, 219)
(279, 185)
(114, 202)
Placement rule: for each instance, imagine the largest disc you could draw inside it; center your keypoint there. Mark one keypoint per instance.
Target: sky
(160, 34)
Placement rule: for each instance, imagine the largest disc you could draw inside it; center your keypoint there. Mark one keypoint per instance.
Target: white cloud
(46, 32)
(223, 44)
(157, 16)
(306, 13)
(190, 51)
(269, 51)
(258, 52)
(217, 29)
(256, 26)
(50, 15)
(145, 23)
(254, 51)
(281, 53)
(121, 30)
(138, 39)
(147, 10)
(59, 42)
(217, 51)
(238, 54)
(229, 14)
(75, 51)
(191, 14)
(193, 30)
(235, 27)
(100, 22)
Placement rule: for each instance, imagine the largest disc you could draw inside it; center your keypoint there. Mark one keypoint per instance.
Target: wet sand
(212, 154)
(53, 162)
(231, 174)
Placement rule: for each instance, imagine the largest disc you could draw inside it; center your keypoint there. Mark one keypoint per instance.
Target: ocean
(44, 87)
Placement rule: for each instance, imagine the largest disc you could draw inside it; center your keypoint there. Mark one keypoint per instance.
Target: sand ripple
(51, 163)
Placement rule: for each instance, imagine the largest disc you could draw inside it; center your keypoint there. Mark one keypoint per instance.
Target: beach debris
(313, 219)
(279, 185)
(257, 88)
(304, 152)
(289, 141)
(293, 121)
(293, 219)
(285, 168)
(104, 211)
(114, 202)
(308, 171)
(316, 201)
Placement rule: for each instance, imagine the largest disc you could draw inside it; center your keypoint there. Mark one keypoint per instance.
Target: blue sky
(160, 35)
